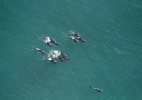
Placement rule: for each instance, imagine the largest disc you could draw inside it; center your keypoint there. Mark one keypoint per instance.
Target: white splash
(54, 54)
(47, 40)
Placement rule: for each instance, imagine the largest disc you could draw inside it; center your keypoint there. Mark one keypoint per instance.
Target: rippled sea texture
(110, 59)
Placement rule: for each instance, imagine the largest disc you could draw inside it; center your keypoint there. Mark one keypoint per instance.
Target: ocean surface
(111, 59)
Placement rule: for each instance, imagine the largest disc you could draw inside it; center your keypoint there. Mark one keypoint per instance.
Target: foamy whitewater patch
(54, 54)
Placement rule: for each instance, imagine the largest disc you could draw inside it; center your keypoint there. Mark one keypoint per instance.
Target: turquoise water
(110, 60)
